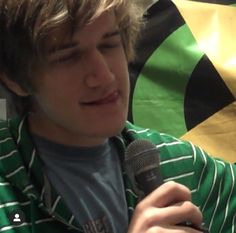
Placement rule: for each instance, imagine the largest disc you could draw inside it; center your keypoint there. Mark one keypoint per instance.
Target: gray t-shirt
(90, 181)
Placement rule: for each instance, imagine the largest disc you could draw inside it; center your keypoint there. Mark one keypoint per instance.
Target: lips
(107, 99)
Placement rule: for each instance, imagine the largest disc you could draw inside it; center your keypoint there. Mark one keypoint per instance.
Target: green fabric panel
(158, 100)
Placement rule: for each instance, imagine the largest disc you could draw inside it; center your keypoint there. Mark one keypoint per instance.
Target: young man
(64, 64)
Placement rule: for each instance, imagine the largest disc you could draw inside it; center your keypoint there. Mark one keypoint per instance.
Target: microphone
(142, 161)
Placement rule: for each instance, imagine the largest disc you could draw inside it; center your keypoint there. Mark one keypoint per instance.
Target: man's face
(82, 96)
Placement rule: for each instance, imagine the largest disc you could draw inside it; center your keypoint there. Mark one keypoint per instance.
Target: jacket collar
(18, 147)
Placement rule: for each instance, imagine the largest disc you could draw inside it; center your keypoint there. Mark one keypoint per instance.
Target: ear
(13, 86)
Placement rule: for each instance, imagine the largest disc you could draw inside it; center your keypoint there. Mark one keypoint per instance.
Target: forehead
(97, 28)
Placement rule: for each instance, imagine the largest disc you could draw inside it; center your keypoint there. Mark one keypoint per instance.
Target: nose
(99, 72)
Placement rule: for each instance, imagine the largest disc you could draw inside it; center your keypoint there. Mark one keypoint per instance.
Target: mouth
(107, 99)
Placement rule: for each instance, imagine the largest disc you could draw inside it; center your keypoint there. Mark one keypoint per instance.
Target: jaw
(81, 129)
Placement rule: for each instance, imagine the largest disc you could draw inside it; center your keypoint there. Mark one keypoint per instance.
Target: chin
(110, 129)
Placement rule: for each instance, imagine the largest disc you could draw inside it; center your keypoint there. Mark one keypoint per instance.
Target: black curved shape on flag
(199, 90)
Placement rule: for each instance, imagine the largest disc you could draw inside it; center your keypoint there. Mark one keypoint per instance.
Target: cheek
(58, 82)
(56, 95)
(123, 75)
(120, 68)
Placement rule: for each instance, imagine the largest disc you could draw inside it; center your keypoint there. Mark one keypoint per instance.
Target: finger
(167, 194)
(179, 213)
(172, 229)
(173, 215)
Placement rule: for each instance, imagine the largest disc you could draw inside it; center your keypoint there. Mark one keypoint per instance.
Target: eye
(66, 57)
(106, 47)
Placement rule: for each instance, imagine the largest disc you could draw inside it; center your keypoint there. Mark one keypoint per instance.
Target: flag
(183, 81)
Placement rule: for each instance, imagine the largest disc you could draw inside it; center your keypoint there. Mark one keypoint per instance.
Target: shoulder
(10, 135)
(177, 157)
(5, 137)
(9, 131)
(4, 127)
(7, 146)
(168, 145)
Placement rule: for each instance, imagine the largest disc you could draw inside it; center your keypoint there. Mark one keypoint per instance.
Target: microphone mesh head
(140, 155)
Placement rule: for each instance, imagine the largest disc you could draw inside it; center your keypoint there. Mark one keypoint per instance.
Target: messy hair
(26, 24)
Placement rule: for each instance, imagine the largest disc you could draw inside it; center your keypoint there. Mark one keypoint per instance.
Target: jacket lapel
(32, 182)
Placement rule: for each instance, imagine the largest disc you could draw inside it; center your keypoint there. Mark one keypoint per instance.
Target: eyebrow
(61, 47)
(115, 32)
(73, 44)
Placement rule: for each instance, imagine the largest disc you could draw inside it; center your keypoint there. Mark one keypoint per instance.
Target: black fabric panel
(206, 94)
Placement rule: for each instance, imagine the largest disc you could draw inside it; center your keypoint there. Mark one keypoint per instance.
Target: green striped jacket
(22, 182)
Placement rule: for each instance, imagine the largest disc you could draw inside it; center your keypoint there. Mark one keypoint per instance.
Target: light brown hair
(25, 25)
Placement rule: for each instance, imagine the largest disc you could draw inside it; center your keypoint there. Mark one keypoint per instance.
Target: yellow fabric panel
(217, 135)
(213, 26)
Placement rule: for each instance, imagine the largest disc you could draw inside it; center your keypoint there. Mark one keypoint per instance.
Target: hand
(165, 208)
